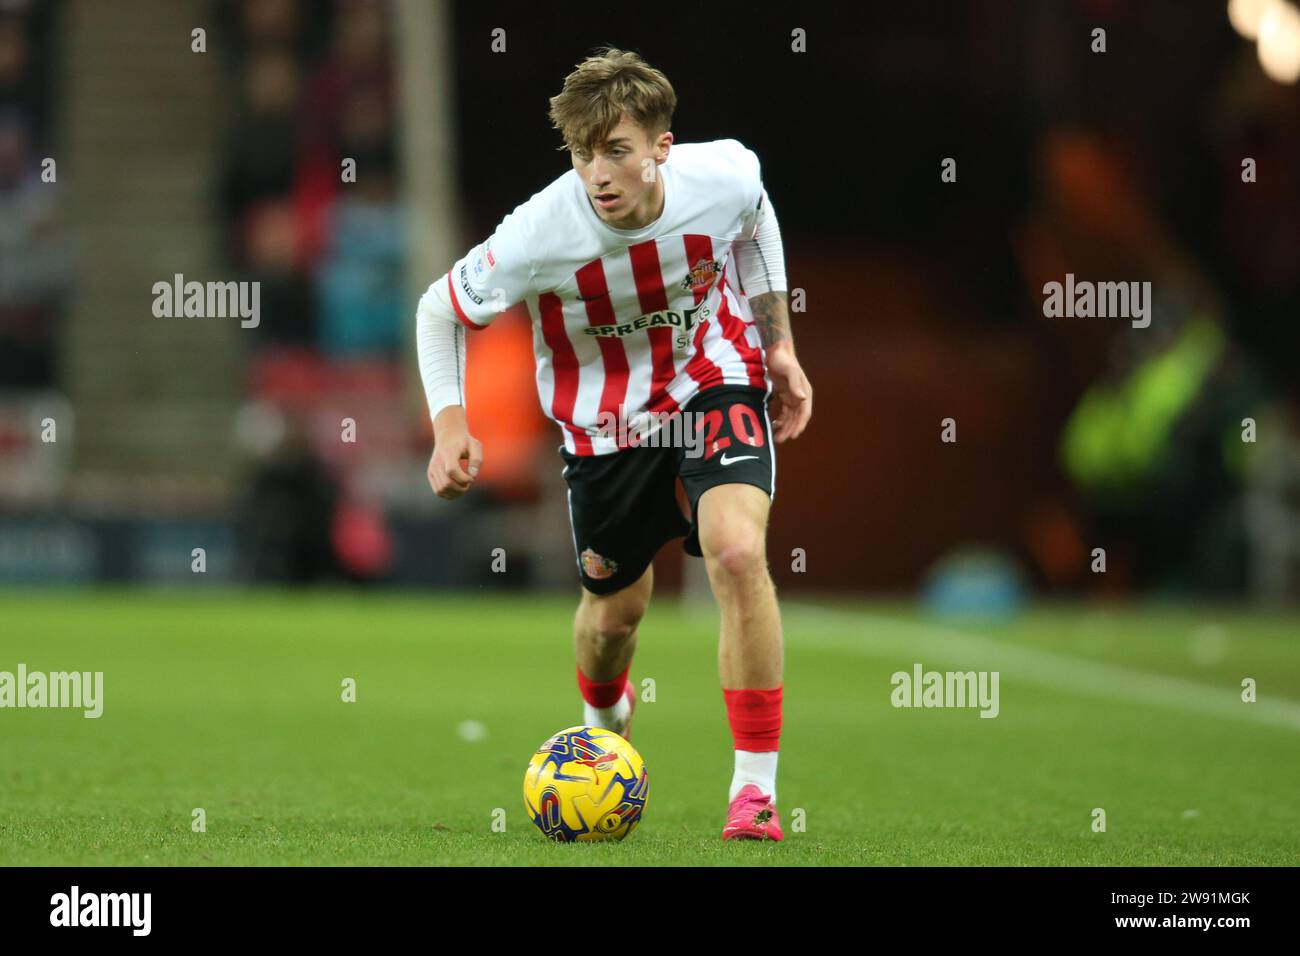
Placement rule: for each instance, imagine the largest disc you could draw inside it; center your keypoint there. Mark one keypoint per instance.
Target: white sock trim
(610, 718)
(756, 767)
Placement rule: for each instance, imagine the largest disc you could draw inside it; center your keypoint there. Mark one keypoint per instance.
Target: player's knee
(612, 619)
(617, 628)
(737, 555)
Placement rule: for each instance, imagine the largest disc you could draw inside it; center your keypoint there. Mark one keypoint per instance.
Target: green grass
(232, 703)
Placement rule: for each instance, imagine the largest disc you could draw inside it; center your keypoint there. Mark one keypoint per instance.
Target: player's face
(621, 175)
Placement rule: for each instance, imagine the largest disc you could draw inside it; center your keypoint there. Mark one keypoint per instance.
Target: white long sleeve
(440, 344)
(760, 259)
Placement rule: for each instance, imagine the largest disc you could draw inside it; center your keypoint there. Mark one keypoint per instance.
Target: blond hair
(604, 87)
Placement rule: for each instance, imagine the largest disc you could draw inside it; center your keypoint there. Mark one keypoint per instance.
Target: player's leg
(730, 484)
(733, 535)
(622, 508)
(604, 633)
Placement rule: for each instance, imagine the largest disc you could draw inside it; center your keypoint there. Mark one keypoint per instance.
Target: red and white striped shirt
(625, 321)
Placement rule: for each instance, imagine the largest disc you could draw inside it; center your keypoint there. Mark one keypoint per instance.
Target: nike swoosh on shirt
(732, 461)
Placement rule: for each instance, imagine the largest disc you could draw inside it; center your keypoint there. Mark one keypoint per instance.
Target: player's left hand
(791, 402)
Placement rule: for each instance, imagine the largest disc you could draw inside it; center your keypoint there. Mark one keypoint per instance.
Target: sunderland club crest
(596, 567)
(701, 276)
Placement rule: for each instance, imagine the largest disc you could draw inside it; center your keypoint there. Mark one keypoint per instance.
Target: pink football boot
(751, 816)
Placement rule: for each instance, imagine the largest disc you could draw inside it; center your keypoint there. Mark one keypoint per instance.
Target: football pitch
(231, 705)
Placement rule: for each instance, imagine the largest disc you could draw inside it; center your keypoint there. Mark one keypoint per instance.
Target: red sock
(602, 693)
(755, 718)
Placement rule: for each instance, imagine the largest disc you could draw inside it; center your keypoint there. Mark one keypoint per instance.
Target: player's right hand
(457, 456)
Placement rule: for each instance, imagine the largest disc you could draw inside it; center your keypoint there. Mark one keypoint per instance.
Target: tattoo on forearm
(772, 317)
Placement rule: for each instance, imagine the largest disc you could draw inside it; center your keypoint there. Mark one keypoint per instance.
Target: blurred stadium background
(1122, 690)
(923, 298)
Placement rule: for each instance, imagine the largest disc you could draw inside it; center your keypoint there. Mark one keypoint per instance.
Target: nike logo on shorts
(731, 461)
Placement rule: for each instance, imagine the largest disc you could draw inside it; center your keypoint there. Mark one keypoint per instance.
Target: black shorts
(623, 505)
